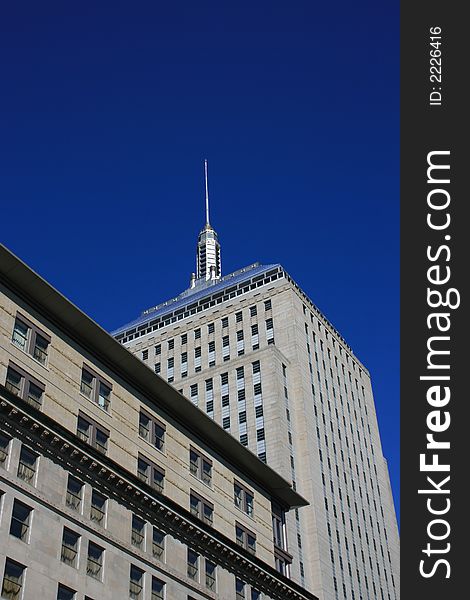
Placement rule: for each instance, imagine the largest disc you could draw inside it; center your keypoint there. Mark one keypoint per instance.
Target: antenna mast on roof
(207, 192)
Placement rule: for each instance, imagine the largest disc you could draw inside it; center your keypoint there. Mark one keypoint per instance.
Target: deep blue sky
(107, 111)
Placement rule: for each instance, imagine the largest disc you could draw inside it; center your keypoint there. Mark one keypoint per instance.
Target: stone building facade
(113, 484)
(253, 352)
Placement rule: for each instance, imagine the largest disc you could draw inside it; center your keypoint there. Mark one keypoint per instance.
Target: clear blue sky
(109, 108)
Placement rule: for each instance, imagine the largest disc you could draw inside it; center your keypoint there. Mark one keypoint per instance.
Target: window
(210, 575)
(95, 388)
(69, 552)
(193, 565)
(239, 589)
(200, 466)
(65, 593)
(94, 564)
(136, 583)
(149, 472)
(225, 322)
(138, 532)
(98, 508)
(270, 331)
(145, 354)
(21, 384)
(73, 497)
(20, 520)
(184, 339)
(201, 508)
(158, 368)
(226, 422)
(27, 465)
(30, 339)
(245, 538)
(255, 595)
(158, 543)
(12, 580)
(253, 311)
(243, 498)
(171, 344)
(158, 349)
(158, 589)
(4, 445)
(239, 317)
(267, 305)
(210, 328)
(279, 526)
(92, 433)
(197, 334)
(152, 430)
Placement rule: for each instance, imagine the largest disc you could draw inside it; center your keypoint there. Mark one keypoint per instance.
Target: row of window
(211, 352)
(211, 327)
(14, 578)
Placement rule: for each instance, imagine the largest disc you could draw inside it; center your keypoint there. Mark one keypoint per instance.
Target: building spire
(207, 192)
(208, 247)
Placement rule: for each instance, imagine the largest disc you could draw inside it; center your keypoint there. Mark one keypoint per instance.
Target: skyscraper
(255, 353)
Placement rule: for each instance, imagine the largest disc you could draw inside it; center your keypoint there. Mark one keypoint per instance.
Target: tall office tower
(112, 484)
(253, 351)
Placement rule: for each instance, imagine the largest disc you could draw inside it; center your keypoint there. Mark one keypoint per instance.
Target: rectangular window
(193, 565)
(158, 349)
(145, 354)
(30, 339)
(65, 593)
(267, 305)
(73, 497)
(92, 433)
(21, 384)
(197, 358)
(253, 311)
(255, 595)
(225, 322)
(4, 447)
(239, 589)
(95, 388)
(152, 430)
(158, 368)
(69, 552)
(136, 583)
(152, 474)
(27, 465)
(12, 580)
(138, 532)
(200, 466)
(269, 331)
(210, 328)
(238, 317)
(194, 394)
(94, 566)
(184, 339)
(245, 538)
(158, 544)
(210, 575)
(279, 526)
(243, 498)
(197, 334)
(158, 589)
(201, 508)
(98, 508)
(20, 520)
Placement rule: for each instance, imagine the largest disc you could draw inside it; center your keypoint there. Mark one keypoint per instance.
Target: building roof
(201, 290)
(39, 294)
